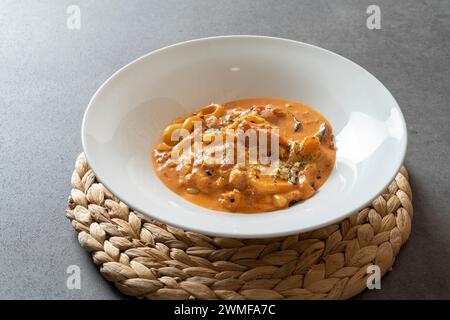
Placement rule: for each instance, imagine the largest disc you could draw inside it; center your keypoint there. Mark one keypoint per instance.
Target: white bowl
(126, 117)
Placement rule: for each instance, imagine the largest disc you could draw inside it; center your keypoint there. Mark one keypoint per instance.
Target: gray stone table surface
(48, 74)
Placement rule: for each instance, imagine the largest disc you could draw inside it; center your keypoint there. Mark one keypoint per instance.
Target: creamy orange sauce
(306, 153)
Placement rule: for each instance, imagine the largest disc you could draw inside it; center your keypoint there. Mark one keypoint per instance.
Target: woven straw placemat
(147, 259)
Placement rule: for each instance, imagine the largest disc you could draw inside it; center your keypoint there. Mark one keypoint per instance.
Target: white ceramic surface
(125, 118)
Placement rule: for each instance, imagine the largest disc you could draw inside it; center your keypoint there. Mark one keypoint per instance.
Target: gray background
(48, 74)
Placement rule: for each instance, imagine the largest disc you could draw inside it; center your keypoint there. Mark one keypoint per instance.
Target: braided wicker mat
(147, 259)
